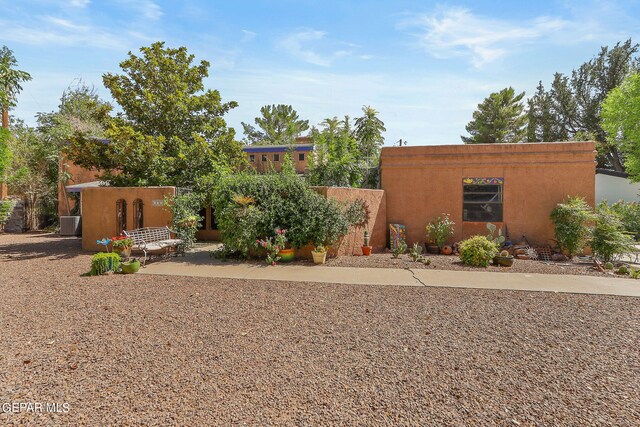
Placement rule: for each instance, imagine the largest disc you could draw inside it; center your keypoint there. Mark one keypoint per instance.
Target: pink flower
(264, 244)
(277, 248)
(273, 263)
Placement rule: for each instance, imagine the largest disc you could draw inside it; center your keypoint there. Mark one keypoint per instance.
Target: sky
(423, 65)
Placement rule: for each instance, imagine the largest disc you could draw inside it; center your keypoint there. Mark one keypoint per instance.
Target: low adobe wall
(377, 202)
(99, 210)
(424, 182)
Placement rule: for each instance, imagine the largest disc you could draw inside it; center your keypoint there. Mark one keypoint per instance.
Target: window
(138, 213)
(264, 157)
(121, 216)
(301, 157)
(276, 157)
(482, 199)
(252, 158)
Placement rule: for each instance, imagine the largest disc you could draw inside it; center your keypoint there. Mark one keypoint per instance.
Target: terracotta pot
(123, 252)
(319, 257)
(366, 250)
(447, 250)
(287, 255)
(433, 249)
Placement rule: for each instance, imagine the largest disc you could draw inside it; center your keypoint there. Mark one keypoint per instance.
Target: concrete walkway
(199, 264)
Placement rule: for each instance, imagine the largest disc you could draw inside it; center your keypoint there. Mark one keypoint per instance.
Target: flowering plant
(121, 242)
(440, 229)
(273, 246)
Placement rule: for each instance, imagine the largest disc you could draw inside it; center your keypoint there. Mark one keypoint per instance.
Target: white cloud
(247, 36)
(151, 10)
(312, 46)
(456, 32)
(79, 3)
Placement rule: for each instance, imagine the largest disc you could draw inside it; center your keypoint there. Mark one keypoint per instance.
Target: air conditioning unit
(70, 226)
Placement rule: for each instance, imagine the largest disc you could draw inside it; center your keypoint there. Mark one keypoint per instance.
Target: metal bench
(154, 239)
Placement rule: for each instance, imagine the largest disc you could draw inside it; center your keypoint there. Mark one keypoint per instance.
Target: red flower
(273, 263)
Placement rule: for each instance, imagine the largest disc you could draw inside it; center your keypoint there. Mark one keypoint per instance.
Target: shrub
(440, 229)
(250, 207)
(185, 216)
(629, 213)
(400, 249)
(104, 262)
(6, 209)
(478, 251)
(609, 235)
(572, 221)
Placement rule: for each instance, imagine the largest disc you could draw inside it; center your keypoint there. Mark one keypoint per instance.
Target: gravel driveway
(155, 350)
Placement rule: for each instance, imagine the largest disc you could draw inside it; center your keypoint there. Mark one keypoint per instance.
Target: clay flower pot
(124, 252)
(287, 255)
(319, 257)
(447, 250)
(366, 250)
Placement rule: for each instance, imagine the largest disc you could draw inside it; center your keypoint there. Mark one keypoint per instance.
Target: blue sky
(424, 65)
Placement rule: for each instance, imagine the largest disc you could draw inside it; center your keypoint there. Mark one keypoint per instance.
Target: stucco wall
(423, 182)
(99, 210)
(614, 188)
(377, 202)
(79, 175)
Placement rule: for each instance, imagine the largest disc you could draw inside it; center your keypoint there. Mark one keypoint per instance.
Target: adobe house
(265, 157)
(614, 186)
(510, 185)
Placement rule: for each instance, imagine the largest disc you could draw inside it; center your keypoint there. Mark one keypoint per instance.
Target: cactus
(499, 240)
(366, 237)
(504, 253)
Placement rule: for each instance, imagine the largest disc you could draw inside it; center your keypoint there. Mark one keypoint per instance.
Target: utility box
(70, 225)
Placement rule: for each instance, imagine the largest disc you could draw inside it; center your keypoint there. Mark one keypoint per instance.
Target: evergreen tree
(498, 119)
(278, 125)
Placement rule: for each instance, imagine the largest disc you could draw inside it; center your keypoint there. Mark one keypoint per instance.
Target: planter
(123, 252)
(287, 255)
(366, 250)
(319, 257)
(503, 261)
(433, 249)
(130, 267)
(447, 250)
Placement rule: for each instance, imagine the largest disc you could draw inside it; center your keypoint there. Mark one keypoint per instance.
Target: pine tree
(498, 119)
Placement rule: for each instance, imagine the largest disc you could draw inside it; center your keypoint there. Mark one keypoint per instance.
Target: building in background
(613, 186)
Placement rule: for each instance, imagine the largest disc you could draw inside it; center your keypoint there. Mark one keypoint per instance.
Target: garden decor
(122, 245)
(398, 235)
(319, 254)
(504, 259)
(366, 249)
(130, 267)
(103, 263)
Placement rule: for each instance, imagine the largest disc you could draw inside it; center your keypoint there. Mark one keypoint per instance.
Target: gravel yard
(154, 350)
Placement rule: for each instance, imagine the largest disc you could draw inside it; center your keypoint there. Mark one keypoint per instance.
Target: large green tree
(5, 153)
(10, 82)
(277, 125)
(368, 133)
(499, 118)
(621, 121)
(171, 130)
(570, 109)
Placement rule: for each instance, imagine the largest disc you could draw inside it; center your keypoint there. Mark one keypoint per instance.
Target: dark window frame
(264, 157)
(301, 157)
(483, 200)
(121, 216)
(252, 158)
(138, 214)
(276, 157)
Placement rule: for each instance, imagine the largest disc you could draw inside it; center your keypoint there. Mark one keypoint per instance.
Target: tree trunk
(5, 118)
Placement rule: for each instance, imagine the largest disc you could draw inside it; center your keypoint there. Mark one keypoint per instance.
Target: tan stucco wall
(301, 166)
(99, 210)
(79, 175)
(377, 202)
(424, 182)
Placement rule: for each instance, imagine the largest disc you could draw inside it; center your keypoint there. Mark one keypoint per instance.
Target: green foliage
(623, 270)
(572, 220)
(440, 229)
(609, 237)
(10, 79)
(401, 248)
(416, 253)
(5, 153)
(250, 207)
(608, 266)
(498, 119)
(6, 209)
(634, 273)
(273, 246)
(497, 240)
(571, 107)
(104, 262)
(477, 251)
(184, 216)
(621, 121)
(278, 125)
(629, 213)
(171, 130)
(368, 134)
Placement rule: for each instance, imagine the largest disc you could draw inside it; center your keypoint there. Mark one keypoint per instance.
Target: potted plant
(319, 254)
(438, 231)
(286, 254)
(366, 249)
(503, 259)
(129, 267)
(276, 247)
(122, 245)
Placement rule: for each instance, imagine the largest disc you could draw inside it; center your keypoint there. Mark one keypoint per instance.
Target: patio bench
(154, 239)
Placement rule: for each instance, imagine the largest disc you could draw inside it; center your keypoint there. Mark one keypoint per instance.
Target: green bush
(572, 220)
(250, 207)
(609, 236)
(6, 208)
(185, 217)
(478, 251)
(629, 213)
(104, 262)
(440, 229)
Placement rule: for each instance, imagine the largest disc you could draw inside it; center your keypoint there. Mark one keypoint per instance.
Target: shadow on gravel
(39, 245)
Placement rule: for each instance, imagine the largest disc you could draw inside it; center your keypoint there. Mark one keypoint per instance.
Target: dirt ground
(154, 350)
